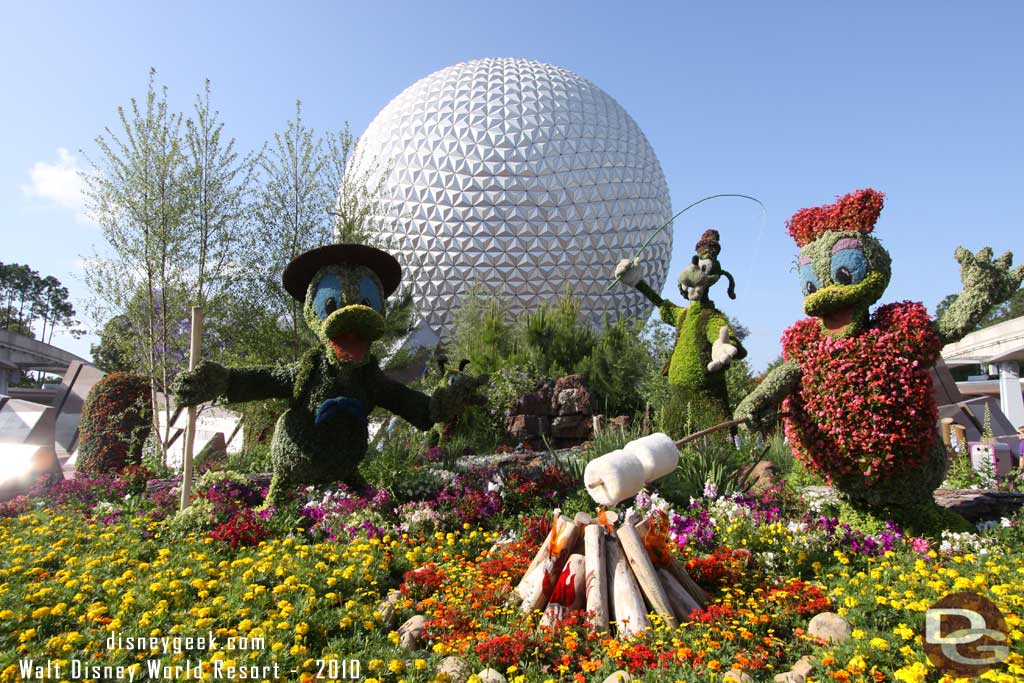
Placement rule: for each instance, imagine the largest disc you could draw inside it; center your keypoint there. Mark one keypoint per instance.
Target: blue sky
(791, 102)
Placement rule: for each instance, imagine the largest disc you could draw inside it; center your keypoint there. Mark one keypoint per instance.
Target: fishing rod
(764, 218)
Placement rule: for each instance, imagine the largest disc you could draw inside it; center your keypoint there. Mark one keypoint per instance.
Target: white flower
(1005, 522)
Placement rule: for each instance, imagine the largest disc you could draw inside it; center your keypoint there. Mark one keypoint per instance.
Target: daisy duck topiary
(323, 435)
(854, 385)
(705, 343)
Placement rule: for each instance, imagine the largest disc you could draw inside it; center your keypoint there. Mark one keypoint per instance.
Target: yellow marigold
(879, 643)
(915, 673)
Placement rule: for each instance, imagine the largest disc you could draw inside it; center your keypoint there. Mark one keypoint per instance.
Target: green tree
(218, 185)
(291, 217)
(136, 193)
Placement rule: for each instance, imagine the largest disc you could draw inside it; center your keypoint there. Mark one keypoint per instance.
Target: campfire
(618, 573)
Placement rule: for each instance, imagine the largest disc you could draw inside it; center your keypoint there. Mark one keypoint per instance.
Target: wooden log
(947, 430)
(543, 552)
(645, 573)
(596, 570)
(626, 605)
(545, 575)
(682, 602)
(569, 592)
(676, 569)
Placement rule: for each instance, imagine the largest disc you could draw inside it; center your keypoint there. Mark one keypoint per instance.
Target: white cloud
(59, 183)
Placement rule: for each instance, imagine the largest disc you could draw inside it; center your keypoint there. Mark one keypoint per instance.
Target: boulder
(490, 676)
(737, 676)
(455, 668)
(537, 402)
(527, 427)
(762, 475)
(831, 627)
(803, 667)
(788, 677)
(571, 396)
(622, 422)
(388, 608)
(620, 676)
(410, 634)
(572, 428)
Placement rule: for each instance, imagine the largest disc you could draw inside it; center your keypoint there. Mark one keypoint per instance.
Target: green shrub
(116, 420)
(558, 340)
(616, 366)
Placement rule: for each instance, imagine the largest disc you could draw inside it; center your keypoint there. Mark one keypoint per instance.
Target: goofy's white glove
(722, 352)
(628, 271)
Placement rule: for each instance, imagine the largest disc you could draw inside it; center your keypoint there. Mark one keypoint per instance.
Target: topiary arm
(651, 295)
(769, 394)
(259, 383)
(210, 381)
(411, 405)
(987, 283)
(671, 314)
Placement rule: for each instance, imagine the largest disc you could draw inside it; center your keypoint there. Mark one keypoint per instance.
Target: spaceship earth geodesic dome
(516, 177)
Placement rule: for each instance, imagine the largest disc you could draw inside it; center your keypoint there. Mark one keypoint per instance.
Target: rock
(214, 454)
(574, 428)
(789, 677)
(622, 422)
(410, 633)
(737, 676)
(535, 403)
(619, 676)
(829, 626)
(388, 608)
(803, 667)
(527, 427)
(457, 669)
(762, 475)
(571, 396)
(490, 676)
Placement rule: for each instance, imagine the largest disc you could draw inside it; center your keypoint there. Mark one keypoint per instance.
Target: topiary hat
(300, 272)
(856, 211)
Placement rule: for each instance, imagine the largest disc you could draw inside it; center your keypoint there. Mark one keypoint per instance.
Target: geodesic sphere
(519, 178)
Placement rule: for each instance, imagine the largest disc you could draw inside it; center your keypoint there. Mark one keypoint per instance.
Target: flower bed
(96, 562)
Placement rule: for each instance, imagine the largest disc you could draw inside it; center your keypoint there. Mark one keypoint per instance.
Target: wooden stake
(627, 604)
(194, 351)
(676, 569)
(596, 565)
(646, 575)
(682, 602)
(545, 575)
(947, 430)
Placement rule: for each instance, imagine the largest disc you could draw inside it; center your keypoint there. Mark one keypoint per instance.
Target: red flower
(865, 403)
(856, 211)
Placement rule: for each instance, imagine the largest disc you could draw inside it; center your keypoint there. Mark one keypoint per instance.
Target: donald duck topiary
(323, 435)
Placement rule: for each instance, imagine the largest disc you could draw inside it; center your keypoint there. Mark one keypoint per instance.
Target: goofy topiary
(323, 435)
(705, 343)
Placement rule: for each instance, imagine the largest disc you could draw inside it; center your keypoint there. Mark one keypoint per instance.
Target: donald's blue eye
(369, 294)
(849, 266)
(809, 283)
(327, 298)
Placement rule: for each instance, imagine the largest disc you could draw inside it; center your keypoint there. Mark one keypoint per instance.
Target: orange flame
(656, 540)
